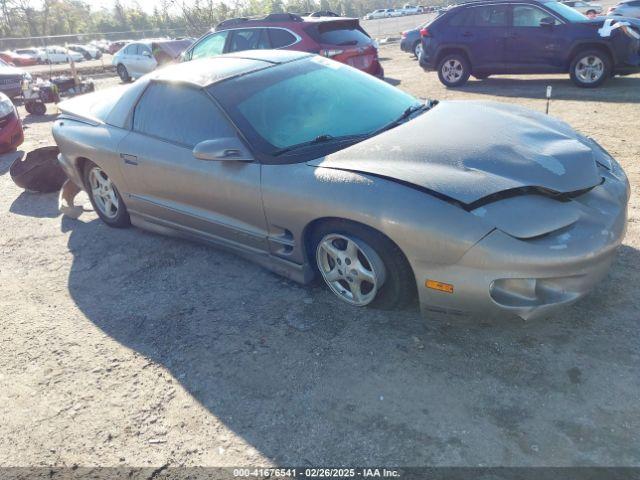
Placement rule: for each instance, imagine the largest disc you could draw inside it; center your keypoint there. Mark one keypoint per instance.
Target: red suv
(339, 38)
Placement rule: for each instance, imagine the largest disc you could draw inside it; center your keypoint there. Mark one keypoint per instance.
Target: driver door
(166, 184)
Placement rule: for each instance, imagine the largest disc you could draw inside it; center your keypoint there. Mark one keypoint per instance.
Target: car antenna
(549, 89)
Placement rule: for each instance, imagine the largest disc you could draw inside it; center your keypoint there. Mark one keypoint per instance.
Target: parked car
(379, 13)
(626, 8)
(478, 207)
(411, 42)
(525, 36)
(87, 51)
(395, 12)
(58, 54)
(410, 10)
(140, 58)
(34, 53)
(115, 47)
(17, 59)
(341, 39)
(11, 132)
(11, 79)
(584, 7)
(102, 45)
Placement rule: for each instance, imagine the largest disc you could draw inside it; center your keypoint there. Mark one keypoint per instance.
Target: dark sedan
(410, 41)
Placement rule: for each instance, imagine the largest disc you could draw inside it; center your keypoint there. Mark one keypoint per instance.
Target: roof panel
(204, 72)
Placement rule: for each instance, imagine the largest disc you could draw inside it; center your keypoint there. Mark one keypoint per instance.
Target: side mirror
(146, 53)
(547, 22)
(222, 149)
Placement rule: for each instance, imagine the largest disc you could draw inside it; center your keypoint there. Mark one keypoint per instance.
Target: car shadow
(47, 117)
(307, 380)
(615, 90)
(392, 81)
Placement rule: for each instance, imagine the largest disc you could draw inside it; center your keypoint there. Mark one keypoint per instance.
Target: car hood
(467, 151)
(9, 70)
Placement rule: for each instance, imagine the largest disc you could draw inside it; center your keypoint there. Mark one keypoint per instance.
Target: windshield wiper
(428, 105)
(320, 139)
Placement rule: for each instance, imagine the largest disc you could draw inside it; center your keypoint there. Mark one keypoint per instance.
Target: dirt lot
(121, 347)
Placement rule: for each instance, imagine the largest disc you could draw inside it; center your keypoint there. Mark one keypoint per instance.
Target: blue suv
(528, 36)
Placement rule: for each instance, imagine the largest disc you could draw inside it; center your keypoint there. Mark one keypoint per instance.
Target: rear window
(342, 36)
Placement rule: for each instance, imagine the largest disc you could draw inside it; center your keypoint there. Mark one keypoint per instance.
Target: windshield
(566, 11)
(305, 100)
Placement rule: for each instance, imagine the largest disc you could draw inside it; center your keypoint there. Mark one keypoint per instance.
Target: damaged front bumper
(505, 276)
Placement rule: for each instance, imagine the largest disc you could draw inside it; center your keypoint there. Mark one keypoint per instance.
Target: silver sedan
(311, 167)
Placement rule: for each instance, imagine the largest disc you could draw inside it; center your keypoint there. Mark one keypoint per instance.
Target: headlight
(6, 106)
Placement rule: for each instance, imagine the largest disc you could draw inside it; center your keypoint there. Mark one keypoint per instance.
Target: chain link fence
(83, 38)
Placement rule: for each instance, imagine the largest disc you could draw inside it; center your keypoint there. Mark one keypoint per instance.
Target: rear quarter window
(281, 38)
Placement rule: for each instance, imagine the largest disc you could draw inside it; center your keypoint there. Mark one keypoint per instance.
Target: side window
(528, 16)
(179, 114)
(142, 49)
(280, 38)
(489, 16)
(249, 39)
(211, 46)
(462, 18)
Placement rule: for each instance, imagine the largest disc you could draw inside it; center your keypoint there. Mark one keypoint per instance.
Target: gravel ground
(121, 347)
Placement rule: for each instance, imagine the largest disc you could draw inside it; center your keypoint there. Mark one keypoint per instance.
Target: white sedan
(60, 55)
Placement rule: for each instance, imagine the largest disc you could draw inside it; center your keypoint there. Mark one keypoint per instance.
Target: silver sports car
(311, 167)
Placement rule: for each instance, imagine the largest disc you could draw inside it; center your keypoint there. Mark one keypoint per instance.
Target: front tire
(590, 68)
(454, 70)
(105, 198)
(123, 73)
(362, 267)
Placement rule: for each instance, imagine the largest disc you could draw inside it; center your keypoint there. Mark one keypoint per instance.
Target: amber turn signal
(441, 287)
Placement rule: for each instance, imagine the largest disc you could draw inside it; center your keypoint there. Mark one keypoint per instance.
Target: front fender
(427, 229)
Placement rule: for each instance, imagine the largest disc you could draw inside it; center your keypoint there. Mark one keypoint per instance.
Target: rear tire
(105, 198)
(417, 49)
(123, 73)
(590, 68)
(454, 70)
(396, 286)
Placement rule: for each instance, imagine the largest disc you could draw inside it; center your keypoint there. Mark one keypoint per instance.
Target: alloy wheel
(103, 193)
(452, 70)
(418, 50)
(589, 69)
(352, 269)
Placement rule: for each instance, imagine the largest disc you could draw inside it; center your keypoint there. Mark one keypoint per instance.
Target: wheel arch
(312, 226)
(590, 45)
(450, 49)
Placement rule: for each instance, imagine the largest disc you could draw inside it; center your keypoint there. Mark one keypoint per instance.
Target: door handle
(129, 159)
